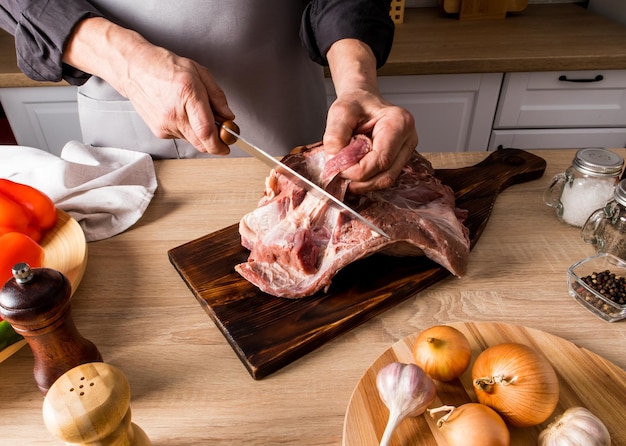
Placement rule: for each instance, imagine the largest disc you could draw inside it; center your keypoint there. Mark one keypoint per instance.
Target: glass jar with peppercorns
(599, 284)
(606, 227)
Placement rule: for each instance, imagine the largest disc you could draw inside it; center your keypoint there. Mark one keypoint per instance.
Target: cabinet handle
(564, 78)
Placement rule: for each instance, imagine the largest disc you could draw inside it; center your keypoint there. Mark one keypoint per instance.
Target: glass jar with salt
(587, 185)
(606, 227)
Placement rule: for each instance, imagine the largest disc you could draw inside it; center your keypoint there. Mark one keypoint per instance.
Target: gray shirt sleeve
(41, 28)
(326, 21)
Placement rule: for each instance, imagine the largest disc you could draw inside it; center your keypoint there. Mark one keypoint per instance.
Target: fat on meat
(298, 242)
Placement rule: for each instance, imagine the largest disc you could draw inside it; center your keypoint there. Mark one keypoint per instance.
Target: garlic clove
(577, 426)
(406, 390)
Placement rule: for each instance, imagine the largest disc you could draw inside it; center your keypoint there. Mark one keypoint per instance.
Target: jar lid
(598, 161)
(620, 193)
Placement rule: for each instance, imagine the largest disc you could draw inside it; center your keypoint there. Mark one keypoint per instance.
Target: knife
(232, 136)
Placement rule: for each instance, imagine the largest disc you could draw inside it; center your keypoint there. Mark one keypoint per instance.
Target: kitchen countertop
(555, 37)
(544, 37)
(188, 386)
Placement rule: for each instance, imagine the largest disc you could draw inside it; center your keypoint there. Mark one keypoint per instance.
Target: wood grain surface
(453, 6)
(269, 332)
(66, 248)
(541, 38)
(189, 388)
(585, 379)
(482, 10)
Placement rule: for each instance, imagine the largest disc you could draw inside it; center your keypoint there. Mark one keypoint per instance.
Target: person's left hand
(391, 128)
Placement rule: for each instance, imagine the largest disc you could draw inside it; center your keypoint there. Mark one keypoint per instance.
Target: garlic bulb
(577, 426)
(406, 390)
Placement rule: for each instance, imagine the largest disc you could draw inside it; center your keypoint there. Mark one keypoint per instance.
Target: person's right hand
(175, 96)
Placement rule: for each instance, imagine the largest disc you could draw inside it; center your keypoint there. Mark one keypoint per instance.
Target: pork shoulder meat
(298, 242)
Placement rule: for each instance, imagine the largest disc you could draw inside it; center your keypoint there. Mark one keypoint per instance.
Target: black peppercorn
(610, 285)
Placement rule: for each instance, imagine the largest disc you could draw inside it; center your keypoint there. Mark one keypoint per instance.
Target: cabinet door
(558, 138)
(453, 113)
(42, 117)
(563, 99)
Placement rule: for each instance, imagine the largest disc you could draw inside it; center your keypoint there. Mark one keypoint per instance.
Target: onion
(443, 352)
(472, 424)
(517, 382)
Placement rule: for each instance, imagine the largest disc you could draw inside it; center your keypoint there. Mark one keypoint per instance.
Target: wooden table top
(188, 386)
(543, 37)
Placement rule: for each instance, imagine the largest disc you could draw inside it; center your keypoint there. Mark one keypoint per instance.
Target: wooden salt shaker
(90, 405)
(36, 302)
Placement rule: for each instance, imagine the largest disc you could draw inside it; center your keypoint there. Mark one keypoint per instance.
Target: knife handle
(228, 138)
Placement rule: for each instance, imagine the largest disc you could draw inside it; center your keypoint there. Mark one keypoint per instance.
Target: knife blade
(233, 137)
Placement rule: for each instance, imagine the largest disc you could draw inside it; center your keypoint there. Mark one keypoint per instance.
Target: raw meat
(298, 242)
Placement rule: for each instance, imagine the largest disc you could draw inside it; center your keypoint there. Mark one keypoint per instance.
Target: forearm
(102, 48)
(352, 66)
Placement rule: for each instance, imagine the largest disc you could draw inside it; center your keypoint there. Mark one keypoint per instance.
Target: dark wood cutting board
(268, 333)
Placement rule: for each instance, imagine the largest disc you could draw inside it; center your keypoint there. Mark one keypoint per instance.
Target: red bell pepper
(25, 209)
(25, 214)
(15, 248)
(15, 218)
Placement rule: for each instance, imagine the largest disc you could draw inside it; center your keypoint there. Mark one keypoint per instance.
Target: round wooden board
(585, 379)
(66, 251)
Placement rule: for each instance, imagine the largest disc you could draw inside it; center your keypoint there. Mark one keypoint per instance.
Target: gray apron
(253, 50)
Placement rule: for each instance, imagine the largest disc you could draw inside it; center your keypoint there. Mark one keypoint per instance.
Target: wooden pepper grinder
(36, 302)
(90, 405)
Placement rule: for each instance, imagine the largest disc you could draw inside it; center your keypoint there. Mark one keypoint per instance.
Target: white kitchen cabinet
(42, 117)
(453, 113)
(561, 109)
(456, 112)
(558, 138)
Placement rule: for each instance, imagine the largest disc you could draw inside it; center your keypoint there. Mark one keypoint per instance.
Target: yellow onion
(443, 352)
(472, 424)
(577, 426)
(516, 381)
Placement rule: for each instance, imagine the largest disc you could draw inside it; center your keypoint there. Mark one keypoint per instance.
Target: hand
(359, 108)
(175, 96)
(393, 134)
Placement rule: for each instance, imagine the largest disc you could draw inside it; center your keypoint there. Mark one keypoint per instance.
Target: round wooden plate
(585, 379)
(66, 251)
(66, 248)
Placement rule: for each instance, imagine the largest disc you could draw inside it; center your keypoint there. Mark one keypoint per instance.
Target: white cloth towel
(105, 189)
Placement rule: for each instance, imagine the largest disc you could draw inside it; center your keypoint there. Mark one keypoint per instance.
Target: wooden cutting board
(585, 379)
(268, 332)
